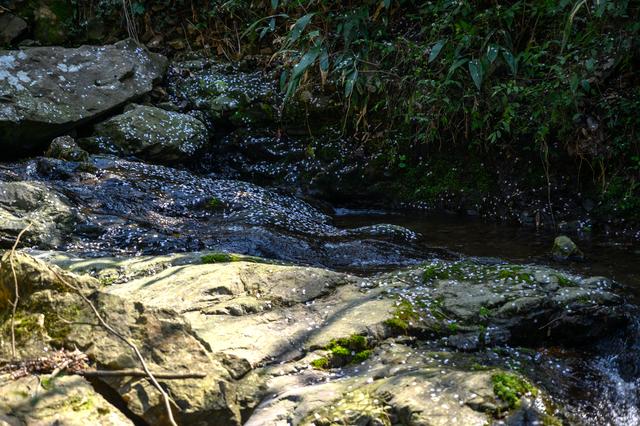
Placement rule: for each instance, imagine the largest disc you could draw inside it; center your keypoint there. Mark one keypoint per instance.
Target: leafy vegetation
(533, 88)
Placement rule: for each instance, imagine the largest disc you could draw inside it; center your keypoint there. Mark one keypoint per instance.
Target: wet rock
(49, 90)
(66, 148)
(154, 134)
(50, 214)
(150, 209)
(68, 400)
(60, 317)
(11, 28)
(565, 249)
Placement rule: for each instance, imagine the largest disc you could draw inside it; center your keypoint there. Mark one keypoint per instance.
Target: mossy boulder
(64, 320)
(66, 148)
(473, 303)
(154, 134)
(565, 249)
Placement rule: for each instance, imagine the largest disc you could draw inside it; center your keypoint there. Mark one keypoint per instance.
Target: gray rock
(154, 134)
(65, 400)
(475, 305)
(565, 249)
(48, 90)
(11, 27)
(50, 214)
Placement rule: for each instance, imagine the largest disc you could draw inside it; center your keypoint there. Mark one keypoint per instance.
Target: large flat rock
(45, 91)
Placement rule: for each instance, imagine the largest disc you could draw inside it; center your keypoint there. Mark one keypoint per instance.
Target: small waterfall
(618, 393)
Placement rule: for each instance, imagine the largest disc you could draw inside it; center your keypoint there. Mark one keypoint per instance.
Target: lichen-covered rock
(65, 400)
(48, 90)
(565, 249)
(154, 134)
(50, 214)
(11, 27)
(66, 148)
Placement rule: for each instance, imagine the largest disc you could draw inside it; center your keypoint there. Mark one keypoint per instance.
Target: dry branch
(128, 342)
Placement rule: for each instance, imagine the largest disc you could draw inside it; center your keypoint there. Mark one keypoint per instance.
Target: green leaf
(435, 50)
(307, 60)
(492, 53)
(283, 79)
(274, 3)
(457, 64)
(511, 61)
(299, 26)
(324, 60)
(477, 73)
(387, 4)
(137, 8)
(350, 83)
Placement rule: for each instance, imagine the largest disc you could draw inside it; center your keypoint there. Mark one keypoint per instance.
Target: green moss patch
(403, 316)
(345, 351)
(510, 388)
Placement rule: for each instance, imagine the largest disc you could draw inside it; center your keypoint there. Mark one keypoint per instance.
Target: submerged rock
(48, 90)
(154, 134)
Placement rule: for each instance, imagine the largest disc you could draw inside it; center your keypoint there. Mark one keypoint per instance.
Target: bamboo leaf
(350, 83)
(299, 26)
(511, 61)
(475, 69)
(307, 60)
(492, 53)
(435, 50)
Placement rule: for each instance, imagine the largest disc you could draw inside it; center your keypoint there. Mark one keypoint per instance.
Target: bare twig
(139, 373)
(127, 341)
(14, 304)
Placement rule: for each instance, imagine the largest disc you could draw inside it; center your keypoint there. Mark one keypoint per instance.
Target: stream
(201, 183)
